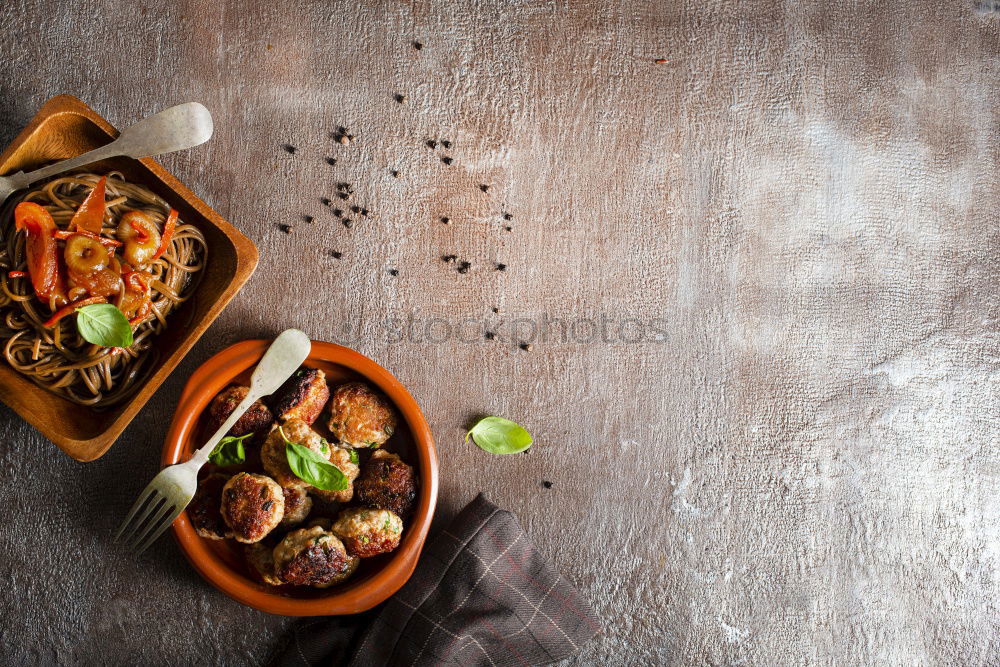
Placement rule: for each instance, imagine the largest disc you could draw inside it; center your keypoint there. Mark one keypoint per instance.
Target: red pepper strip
(168, 231)
(17, 274)
(70, 308)
(43, 258)
(142, 286)
(142, 234)
(90, 216)
(62, 235)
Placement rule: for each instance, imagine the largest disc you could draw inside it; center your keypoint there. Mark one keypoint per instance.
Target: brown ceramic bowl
(65, 127)
(221, 562)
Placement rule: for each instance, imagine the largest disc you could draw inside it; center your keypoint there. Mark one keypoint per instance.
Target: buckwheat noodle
(58, 358)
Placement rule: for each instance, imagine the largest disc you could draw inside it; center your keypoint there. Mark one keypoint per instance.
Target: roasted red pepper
(17, 274)
(168, 231)
(70, 308)
(40, 245)
(90, 216)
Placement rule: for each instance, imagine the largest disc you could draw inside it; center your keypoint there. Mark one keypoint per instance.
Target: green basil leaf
(497, 435)
(103, 324)
(313, 468)
(229, 451)
(354, 456)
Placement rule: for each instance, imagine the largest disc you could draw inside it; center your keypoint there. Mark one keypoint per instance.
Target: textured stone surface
(802, 204)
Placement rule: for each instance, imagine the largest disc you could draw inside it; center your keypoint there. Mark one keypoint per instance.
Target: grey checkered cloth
(481, 595)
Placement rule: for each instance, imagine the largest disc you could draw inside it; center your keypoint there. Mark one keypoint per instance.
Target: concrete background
(782, 447)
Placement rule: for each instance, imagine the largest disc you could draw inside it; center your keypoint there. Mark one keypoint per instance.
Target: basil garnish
(354, 456)
(497, 435)
(313, 468)
(229, 451)
(103, 324)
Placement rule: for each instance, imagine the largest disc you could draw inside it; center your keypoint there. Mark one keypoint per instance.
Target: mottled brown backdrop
(760, 282)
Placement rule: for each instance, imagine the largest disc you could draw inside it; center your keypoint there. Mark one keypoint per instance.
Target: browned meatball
(302, 396)
(312, 557)
(361, 416)
(272, 453)
(297, 506)
(260, 556)
(367, 532)
(204, 512)
(252, 506)
(387, 483)
(344, 459)
(257, 418)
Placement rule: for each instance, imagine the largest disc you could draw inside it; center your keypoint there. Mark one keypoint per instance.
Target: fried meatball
(272, 453)
(361, 416)
(252, 505)
(204, 512)
(312, 557)
(345, 460)
(386, 483)
(261, 558)
(302, 396)
(257, 418)
(297, 506)
(366, 532)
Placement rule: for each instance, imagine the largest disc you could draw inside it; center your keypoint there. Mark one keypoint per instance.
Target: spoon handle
(183, 126)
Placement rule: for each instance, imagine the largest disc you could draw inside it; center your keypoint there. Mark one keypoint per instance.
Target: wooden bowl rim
(210, 378)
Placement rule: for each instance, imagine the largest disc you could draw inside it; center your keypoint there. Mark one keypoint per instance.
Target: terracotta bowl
(65, 127)
(221, 562)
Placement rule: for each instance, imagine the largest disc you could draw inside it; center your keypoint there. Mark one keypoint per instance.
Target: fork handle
(201, 456)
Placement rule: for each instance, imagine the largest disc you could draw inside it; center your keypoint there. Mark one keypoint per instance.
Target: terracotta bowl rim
(210, 378)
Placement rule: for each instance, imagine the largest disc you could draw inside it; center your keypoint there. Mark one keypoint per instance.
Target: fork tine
(164, 524)
(143, 497)
(141, 522)
(151, 524)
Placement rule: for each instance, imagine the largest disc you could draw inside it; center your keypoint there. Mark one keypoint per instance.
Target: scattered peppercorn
(484, 187)
(395, 174)
(393, 272)
(344, 195)
(336, 254)
(348, 223)
(331, 161)
(501, 267)
(490, 335)
(325, 201)
(355, 209)
(464, 267)
(449, 258)
(418, 45)
(447, 160)
(400, 98)
(343, 186)
(446, 143)
(446, 220)
(364, 212)
(508, 216)
(432, 144)
(286, 228)
(308, 219)
(290, 148)
(496, 310)
(547, 484)
(341, 129)
(337, 212)
(508, 228)
(527, 347)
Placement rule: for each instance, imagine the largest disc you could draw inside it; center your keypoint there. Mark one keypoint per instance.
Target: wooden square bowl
(65, 127)
(222, 562)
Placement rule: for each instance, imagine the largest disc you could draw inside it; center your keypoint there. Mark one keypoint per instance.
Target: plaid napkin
(481, 595)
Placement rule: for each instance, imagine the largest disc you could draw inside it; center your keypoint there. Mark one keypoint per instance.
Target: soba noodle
(58, 358)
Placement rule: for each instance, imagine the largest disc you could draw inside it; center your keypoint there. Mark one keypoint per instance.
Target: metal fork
(173, 488)
(174, 129)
